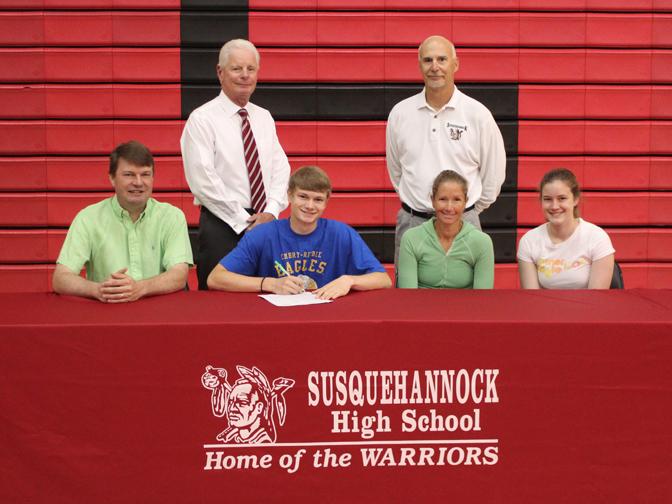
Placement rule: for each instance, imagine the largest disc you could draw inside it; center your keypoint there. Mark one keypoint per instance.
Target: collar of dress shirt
(122, 213)
(229, 107)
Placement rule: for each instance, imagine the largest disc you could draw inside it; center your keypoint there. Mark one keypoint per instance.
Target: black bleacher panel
(352, 102)
(293, 102)
(199, 65)
(204, 29)
(501, 100)
(347, 102)
(511, 180)
(194, 96)
(502, 213)
(376, 239)
(395, 93)
(509, 131)
(215, 5)
(504, 243)
(387, 251)
(288, 102)
(364, 101)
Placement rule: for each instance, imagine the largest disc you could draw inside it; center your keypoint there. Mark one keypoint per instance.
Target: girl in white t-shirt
(566, 252)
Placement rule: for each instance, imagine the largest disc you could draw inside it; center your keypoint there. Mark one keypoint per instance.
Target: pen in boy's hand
(283, 270)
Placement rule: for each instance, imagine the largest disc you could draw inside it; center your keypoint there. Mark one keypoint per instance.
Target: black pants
(215, 240)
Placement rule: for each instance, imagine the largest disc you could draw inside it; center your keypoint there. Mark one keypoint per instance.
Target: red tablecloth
(507, 396)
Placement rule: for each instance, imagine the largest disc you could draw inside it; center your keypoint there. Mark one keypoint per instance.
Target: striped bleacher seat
(567, 84)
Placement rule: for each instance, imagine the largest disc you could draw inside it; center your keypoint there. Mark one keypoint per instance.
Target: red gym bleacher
(594, 93)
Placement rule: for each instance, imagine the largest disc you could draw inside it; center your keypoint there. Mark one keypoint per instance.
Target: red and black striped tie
(253, 167)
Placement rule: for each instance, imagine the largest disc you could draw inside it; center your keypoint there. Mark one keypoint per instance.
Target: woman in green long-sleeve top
(445, 252)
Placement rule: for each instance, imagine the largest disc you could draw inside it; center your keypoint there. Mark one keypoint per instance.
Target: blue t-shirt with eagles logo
(332, 250)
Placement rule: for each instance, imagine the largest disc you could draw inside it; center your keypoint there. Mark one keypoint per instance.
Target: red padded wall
(595, 95)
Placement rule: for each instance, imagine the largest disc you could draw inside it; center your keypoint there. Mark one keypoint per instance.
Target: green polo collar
(121, 212)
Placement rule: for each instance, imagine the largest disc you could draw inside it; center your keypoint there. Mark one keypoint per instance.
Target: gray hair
(234, 44)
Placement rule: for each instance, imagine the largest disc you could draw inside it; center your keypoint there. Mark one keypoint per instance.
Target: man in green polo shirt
(132, 245)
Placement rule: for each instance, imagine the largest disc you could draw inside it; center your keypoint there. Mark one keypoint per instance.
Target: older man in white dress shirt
(233, 161)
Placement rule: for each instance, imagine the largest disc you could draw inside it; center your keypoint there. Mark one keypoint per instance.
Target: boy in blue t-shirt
(303, 252)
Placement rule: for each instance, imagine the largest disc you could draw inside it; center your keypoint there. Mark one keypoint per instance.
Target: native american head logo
(251, 405)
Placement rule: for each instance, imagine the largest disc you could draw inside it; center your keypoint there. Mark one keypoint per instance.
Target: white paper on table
(305, 298)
